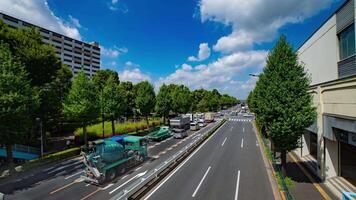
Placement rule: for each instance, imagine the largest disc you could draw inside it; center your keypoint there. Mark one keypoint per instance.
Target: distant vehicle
(201, 122)
(181, 122)
(179, 133)
(194, 126)
(105, 159)
(209, 117)
(190, 115)
(162, 133)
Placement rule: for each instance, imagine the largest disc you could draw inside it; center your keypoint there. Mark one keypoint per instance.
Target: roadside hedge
(95, 131)
(57, 156)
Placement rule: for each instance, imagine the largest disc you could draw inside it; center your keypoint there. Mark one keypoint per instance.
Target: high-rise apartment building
(78, 55)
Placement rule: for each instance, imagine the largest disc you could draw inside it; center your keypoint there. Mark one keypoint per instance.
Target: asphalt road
(227, 166)
(62, 181)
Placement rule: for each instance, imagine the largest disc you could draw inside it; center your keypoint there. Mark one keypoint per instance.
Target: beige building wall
(320, 53)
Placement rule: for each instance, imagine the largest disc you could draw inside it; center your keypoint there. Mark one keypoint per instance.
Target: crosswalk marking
(239, 120)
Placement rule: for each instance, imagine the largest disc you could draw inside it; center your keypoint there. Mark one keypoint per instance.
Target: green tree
(281, 99)
(81, 104)
(44, 69)
(145, 98)
(181, 99)
(129, 89)
(16, 100)
(113, 99)
(99, 80)
(163, 102)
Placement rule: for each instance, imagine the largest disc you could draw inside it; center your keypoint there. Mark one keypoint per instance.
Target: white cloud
(255, 21)
(39, 13)
(130, 64)
(204, 53)
(221, 74)
(135, 75)
(113, 52)
(75, 21)
(186, 67)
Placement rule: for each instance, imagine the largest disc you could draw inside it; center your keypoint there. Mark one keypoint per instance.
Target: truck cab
(137, 144)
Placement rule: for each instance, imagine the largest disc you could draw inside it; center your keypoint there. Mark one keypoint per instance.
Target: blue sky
(153, 39)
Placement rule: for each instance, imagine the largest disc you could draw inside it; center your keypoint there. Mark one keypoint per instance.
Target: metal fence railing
(25, 149)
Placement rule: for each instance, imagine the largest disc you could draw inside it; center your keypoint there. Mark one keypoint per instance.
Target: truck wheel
(111, 174)
(121, 170)
(141, 158)
(101, 180)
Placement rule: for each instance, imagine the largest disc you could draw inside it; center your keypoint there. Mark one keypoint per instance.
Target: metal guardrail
(163, 169)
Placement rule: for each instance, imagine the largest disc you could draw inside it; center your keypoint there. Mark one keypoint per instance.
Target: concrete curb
(278, 194)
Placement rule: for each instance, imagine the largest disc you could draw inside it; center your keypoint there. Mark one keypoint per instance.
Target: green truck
(160, 134)
(108, 158)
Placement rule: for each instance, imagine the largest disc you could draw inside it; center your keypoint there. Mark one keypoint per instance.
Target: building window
(347, 42)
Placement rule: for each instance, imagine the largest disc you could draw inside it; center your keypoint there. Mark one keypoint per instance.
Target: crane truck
(105, 159)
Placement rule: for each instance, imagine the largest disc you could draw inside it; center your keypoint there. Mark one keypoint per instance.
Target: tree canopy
(281, 100)
(145, 98)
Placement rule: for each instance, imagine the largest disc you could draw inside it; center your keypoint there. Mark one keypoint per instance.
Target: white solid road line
(136, 176)
(106, 187)
(181, 165)
(224, 142)
(237, 185)
(243, 129)
(242, 143)
(68, 177)
(201, 181)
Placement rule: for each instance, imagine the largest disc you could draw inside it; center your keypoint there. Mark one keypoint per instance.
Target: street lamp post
(254, 75)
(41, 133)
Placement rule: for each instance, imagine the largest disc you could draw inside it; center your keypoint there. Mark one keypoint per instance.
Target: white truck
(209, 117)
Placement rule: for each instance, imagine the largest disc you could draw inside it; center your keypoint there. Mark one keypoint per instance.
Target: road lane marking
(124, 177)
(182, 164)
(201, 181)
(138, 168)
(243, 129)
(87, 185)
(256, 143)
(90, 194)
(65, 186)
(237, 185)
(242, 143)
(68, 177)
(224, 141)
(136, 176)
(62, 167)
(106, 187)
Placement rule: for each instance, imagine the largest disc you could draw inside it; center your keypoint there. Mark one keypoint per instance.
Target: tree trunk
(103, 124)
(113, 125)
(164, 119)
(10, 159)
(85, 134)
(284, 162)
(148, 124)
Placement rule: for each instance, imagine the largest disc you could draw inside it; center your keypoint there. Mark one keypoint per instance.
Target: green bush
(95, 131)
(58, 155)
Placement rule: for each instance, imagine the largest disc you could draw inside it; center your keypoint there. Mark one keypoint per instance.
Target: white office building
(76, 54)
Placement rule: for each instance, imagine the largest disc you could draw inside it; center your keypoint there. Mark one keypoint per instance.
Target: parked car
(194, 126)
(179, 133)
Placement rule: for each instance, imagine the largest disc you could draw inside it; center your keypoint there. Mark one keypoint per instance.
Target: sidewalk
(305, 184)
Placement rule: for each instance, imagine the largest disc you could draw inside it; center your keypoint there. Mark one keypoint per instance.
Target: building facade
(329, 57)
(76, 54)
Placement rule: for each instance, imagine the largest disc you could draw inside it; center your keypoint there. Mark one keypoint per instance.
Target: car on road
(179, 133)
(194, 126)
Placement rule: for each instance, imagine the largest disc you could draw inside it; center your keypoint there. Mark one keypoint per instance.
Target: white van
(194, 126)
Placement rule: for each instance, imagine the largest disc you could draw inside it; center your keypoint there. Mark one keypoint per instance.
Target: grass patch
(96, 131)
